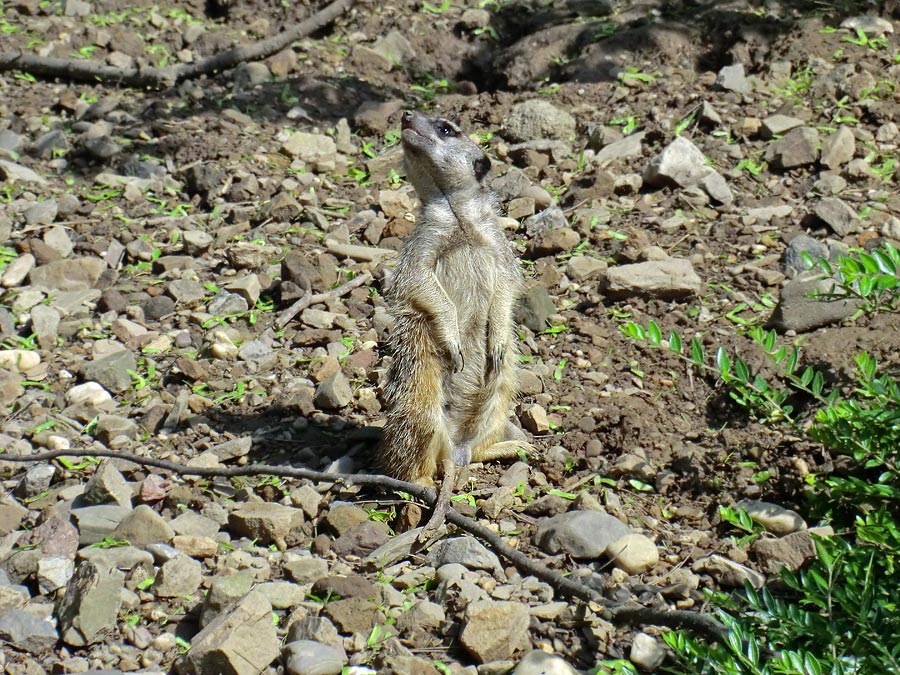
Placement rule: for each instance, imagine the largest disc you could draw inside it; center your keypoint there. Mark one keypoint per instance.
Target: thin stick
(315, 298)
(622, 615)
(153, 78)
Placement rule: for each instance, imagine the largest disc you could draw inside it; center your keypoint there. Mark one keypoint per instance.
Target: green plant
(872, 278)
(863, 40)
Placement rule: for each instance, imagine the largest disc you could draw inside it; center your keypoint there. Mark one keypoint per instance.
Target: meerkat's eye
(445, 129)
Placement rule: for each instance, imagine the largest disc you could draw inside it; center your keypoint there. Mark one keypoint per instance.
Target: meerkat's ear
(481, 166)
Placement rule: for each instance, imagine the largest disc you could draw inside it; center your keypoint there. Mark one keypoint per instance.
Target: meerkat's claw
(495, 360)
(457, 361)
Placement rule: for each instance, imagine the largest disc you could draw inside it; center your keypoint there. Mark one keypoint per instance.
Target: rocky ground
(661, 162)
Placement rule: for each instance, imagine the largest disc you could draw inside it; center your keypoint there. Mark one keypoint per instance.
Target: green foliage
(838, 614)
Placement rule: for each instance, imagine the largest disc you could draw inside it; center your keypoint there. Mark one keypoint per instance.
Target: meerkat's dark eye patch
(481, 166)
(444, 128)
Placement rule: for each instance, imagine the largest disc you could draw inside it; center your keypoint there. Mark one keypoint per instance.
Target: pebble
(581, 534)
(495, 630)
(634, 553)
(466, 551)
(646, 652)
(305, 657)
(666, 279)
(537, 662)
(536, 119)
(775, 518)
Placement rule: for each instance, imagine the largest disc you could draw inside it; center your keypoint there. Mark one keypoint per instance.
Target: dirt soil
(134, 179)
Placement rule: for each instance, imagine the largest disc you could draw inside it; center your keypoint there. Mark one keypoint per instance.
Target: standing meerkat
(453, 373)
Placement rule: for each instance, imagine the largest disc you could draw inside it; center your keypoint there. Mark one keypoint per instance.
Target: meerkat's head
(440, 157)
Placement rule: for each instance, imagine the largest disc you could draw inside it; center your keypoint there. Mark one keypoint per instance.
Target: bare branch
(622, 615)
(154, 78)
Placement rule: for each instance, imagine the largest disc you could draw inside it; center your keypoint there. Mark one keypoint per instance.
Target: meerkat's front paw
(496, 357)
(457, 362)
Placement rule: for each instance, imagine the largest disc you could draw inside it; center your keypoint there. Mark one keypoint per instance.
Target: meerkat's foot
(441, 505)
(506, 450)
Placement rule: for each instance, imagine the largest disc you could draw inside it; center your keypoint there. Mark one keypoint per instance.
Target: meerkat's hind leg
(505, 450)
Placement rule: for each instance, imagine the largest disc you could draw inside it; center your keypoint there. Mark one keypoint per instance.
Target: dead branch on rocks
(620, 615)
(159, 78)
(316, 298)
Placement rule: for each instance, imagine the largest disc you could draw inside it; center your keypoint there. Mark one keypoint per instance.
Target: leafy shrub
(839, 614)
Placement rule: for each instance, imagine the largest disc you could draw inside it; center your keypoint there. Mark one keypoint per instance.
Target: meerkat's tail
(415, 432)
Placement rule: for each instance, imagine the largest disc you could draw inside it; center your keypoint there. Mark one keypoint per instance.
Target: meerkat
(453, 373)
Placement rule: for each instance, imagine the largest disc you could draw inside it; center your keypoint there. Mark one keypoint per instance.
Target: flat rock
(838, 149)
(68, 275)
(798, 147)
(107, 486)
(838, 215)
(225, 590)
(495, 630)
(799, 311)
(111, 371)
(96, 523)
(667, 279)
(625, 148)
(266, 522)
(634, 553)
(177, 578)
(778, 125)
(241, 641)
(732, 78)
(729, 573)
(537, 662)
(26, 631)
(16, 173)
(581, 534)
(90, 605)
(775, 518)
(353, 615)
(144, 526)
(466, 551)
(305, 657)
(792, 260)
(333, 393)
(538, 118)
(790, 552)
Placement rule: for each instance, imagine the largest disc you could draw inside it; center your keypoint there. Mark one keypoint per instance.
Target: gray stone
(316, 628)
(91, 394)
(732, 78)
(186, 292)
(838, 149)
(535, 308)
(798, 147)
(630, 146)
(537, 662)
(792, 261)
(35, 481)
(581, 534)
(838, 216)
(225, 304)
(16, 173)
(333, 393)
(681, 164)
(773, 517)
(241, 641)
(583, 267)
(800, 311)
(266, 522)
(314, 149)
(646, 652)
(250, 74)
(306, 570)
(871, 25)
(96, 523)
(90, 605)
(157, 307)
(466, 551)
(26, 631)
(634, 553)
(144, 526)
(538, 118)
(282, 594)
(41, 213)
(177, 578)
(10, 141)
(778, 125)
(248, 287)
(224, 591)
(790, 552)
(68, 275)
(111, 371)
(255, 350)
(115, 430)
(729, 573)
(305, 657)
(194, 525)
(196, 242)
(45, 324)
(551, 241)
(495, 630)
(668, 279)
(118, 557)
(17, 270)
(106, 486)
(54, 572)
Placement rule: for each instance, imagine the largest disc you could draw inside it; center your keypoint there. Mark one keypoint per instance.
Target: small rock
(838, 216)
(17, 270)
(798, 147)
(96, 523)
(790, 551)
(241, 641)
(107, 486)
(58, 240)
(224, 591)
(838, 149)
(314, 149)
(90, 605)
(115, 430)
(35, 481)
(537, 119)
(552, 241)
(630, 146)
(26, 631)
(41, 213)
(799, 310)
(682, 164)
(111, 371)
(196, 242)
(353, 615)
(729, 573)
(495, 630)
(776, 519)
(466, 551)
(333, 393)
(225, 304)
(792, 260)
(646, 652)
(266, 522)
(534, 419)
(668, 279)
(19, 360)
(537, 662)
(535, 308)
(177, 578)
(306, 570)
(305, 657)
(871, 25)
(633, 553)
(779, 125)
(144, 526)
(45, 324)
(68, 275)
(581, 534)
(732, 78)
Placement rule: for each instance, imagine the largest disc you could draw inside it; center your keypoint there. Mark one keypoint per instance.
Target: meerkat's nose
(406, 118)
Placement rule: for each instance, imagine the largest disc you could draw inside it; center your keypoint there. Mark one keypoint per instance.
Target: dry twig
(315, 298)
(156, 78)
(621, 615)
